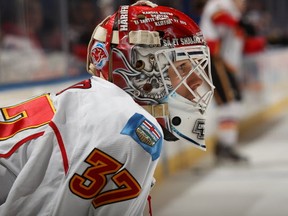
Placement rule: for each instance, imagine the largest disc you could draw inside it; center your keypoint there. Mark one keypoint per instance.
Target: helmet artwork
(157, 55)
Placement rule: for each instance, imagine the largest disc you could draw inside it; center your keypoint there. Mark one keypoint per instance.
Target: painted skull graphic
(143, 75)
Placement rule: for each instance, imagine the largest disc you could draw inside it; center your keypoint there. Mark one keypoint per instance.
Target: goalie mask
(157, 55)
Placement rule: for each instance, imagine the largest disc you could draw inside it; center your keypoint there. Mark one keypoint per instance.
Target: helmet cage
(199, 58)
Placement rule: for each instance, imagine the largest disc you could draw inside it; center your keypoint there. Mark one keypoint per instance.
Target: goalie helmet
(157, 55)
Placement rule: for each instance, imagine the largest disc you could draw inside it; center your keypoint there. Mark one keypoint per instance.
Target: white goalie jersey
(88, 150)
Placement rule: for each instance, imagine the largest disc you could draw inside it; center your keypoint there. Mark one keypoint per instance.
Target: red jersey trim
(223, 18)
(20, 143)
(61, 145)
(214, 46)
(254, 44)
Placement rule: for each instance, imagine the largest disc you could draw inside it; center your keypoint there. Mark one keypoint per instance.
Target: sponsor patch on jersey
(99, 55)
(145, 134)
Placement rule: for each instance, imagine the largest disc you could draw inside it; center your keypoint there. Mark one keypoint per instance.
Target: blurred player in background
(225, 34)
(90, 149)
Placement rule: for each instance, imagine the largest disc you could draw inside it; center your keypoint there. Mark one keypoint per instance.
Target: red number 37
(90, 184)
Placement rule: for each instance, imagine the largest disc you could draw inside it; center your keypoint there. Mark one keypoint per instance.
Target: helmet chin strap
(168, 136)
(161, 113)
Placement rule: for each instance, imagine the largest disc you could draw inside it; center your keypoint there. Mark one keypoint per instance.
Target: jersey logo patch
(145, 134)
